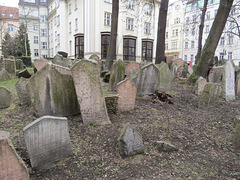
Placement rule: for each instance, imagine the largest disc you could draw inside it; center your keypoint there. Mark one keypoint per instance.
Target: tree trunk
(201, 31)
(162, 18)
(111, 55)
(206, 59)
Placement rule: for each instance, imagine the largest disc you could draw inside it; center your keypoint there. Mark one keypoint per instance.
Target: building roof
(11, 13)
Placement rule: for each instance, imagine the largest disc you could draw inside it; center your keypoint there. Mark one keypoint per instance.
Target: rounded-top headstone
(5, 98)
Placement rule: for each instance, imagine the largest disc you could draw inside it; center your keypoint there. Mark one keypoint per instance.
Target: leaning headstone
(60, 60)
(199, 85)
(130, 142)
(89, 92)
(4, 75)
(52, 93)
(132, 66)
(211, 92)
(12, 166)
(126, 95)
(228, 81)
(147, 80)
(182, 71)
(5, 98)
(165, 77)
(22, 92)
(19, 64)
(117, 74)
(24, 73)
(215, 74)
(238, 85)
(47, 140)
(9, 65)
(40, 63)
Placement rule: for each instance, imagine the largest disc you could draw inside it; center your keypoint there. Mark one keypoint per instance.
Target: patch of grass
(10, 84)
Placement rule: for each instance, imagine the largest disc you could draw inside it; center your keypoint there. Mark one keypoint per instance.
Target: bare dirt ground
(203, 136)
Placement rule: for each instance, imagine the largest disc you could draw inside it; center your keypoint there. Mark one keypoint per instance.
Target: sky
(11, 3)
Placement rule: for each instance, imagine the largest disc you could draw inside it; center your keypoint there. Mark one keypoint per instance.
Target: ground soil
(203, 136)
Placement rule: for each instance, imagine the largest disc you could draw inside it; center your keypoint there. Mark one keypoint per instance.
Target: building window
(36, 52)
(175, 57)
(76, 24)
(229, 55)
(192, 44)
(35, 39)
(187, 20)
(43, 32)
(70, 8)
(70, 27)
(193, 31)
(109, 1)
(166, 46)
(221, 56)
(76, 4)
(129, 24)
(194, 17)
(186, 32)
(192, 57)
(104, 45)
(55, 35)
(147, 28)
(147, 50)
(175, 32)
(43, 19)
(43, 1)
(207, 29)
(70, 48)
(58, 20)
(51, 37)
(107, 19)
(79, 46)
(174, 45)
(186, 45)
(35, 27)
(43, 45)
(177, 20)
(230, 40)
(166, 35)
(58, 39)
(10, 27)
(208, 15)
(129, 49)
(222, 41)
(148, 9)
(130, 4)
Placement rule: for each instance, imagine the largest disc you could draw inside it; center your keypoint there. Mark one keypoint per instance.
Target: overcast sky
(11, 3)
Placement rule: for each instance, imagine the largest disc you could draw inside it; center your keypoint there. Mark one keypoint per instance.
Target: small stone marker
(165, 77)
(4, 75)
(126, 95)
(11, 165)
(89, 92)
(47, 140)
(236, 138)
(22, 92)
(19, 64)
(111, 103)
(228, 81)
(215, 74)
(238, 85)
(5, 98)
(164, 146)
(130, 142)
(40, 63)
(199, 85)
(60, 60)
(132, 66)
(9, 65)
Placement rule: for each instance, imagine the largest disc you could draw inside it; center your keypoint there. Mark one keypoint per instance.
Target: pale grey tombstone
(228, 81)
(47, 140)
(9, 65)
(147, 80)
(19, 64)
(165, 77)
(199, 85)
(4, 75)
(60, 60)
(22, 92)
(215, 74)
(5, 98)
(87, 83)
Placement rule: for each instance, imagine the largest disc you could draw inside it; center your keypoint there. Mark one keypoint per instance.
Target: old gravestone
(47, 140)
(19, 64)
(165, 77)
(52, 93)
(9, 65)
(11, 165)
(89, 92)
(182, 71)
(127, 91)
(1, 62)
(4, 75)
(199, 85)
(130, 142)
(215, 74)
(237, 84)
(147, 80)
(117, 74)
(22, 92)
(24, 73)
(236, 137)
(5, 98)
(228, 81)
(132, 66)
(60, 60)
(40, 63)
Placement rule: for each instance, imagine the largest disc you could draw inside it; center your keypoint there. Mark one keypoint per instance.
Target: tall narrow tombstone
(47, 140)
(126, 95)
(147, 80)
(19, 64)
(9, 65)
(117, 74)
(11, 165)
(132, 66)
(5, 98)
(89, 92)
(165, 77)
(22, 92)
(238, 85)
(228, 81)
(199, 85)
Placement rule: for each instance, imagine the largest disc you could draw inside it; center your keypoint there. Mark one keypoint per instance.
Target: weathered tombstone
(147, 80)
(228, 81)
(117, 74)
(1, 62)
(22, 92)
(9, 65)
(143, 63)
(5, 98)
(4, 75)
(169, 61)
(19, 64)
(89, 92)
(238, 85)
(40, 63)
(199, 85)
(211, 92)
(58, 59)
(179, 62)
(111, 103)
(132, 66)
(174, 68)
(24, 73)
(182, 71)
(47, 140)
(130, 142)
(126, 95)
(95, 57)
(165, 77)
(12, 166)
(190, 70)
(236, 138)
(215, 74)
(52, 93)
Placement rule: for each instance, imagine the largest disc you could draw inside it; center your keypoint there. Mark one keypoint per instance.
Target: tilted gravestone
(52, 93)
(199, 85)
(4, 75)
(89, 92)
(182, 71)
(22, 92)
(24, 73)
(130, 142)
(19, 64)
(5, 98)
(127, 92)
(165, 77)
(40, 63)
(215, 74)
(12, 166)
(117, 74)
(9, 65)
(228, 81)
(60, 60)
(132, 66)
(147, 80)
(47, 140)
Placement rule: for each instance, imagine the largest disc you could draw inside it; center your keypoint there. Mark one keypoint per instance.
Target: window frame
(127, 47)
(145, 50)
